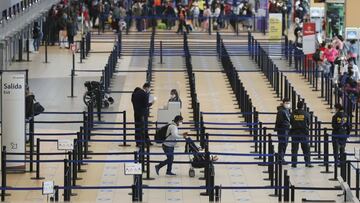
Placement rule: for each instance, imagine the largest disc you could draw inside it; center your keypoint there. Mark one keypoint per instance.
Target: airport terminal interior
(186, 101)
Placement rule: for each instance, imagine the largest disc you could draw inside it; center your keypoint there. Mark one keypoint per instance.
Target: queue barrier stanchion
(286, 186)
(31, 141)
(80, 151)
(37, 165)
(3, 173)
(276, 178)
(326, 152)
(67, 178)
(124, 130)
(148, 164)
(357, 182)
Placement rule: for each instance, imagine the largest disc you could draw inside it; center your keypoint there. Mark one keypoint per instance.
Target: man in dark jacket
(300, 121)
(282, 127)
(140, 101)
(341, 130)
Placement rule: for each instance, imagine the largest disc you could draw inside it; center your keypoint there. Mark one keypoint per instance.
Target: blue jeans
(36, 43)
(169, 151)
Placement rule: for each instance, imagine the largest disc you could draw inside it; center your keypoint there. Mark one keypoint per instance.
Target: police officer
(341, 130)
(299, 133)
(282, 127)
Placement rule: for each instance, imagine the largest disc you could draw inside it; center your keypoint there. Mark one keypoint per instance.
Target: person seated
(174, 96)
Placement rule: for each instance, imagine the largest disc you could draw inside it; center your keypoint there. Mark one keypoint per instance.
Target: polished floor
(51, 84)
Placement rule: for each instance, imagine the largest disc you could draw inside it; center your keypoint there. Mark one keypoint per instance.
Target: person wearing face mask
(300, 121)
(174, 96)
(172, 135)
(282, 127)
(140, 101)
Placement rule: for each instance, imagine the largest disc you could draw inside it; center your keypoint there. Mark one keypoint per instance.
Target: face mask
(172, 96)
(287, 106)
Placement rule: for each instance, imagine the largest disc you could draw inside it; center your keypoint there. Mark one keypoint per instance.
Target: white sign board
(65, 144)
(132, 169)
(352, 33)
(48, 188)
(13, 116)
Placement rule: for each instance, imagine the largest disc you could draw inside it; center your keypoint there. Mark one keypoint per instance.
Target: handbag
(38, 108)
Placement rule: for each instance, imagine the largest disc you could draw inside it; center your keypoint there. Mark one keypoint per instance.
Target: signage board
(309, 38)
(132, 169)
(275, 26)
(65, 144)
(13, 116)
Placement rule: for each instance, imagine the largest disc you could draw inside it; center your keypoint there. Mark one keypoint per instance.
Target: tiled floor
(50, 83)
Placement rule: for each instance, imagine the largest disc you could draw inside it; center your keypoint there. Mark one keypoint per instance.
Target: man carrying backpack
(172, 134)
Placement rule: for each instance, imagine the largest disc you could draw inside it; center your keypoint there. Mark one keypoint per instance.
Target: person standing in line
(140, 101)
(172, 134)
(300, 121)
(282, 127)
(37, 36)
(341, 130)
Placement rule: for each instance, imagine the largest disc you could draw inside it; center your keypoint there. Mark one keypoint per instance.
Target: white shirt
(172, 134)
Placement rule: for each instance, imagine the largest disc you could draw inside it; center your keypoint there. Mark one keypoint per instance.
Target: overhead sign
(309, 38)
(65, 144)
(48, 188)
(13, 116)
(335, 1)
(132, 169)
(275, 26)
(352, 33)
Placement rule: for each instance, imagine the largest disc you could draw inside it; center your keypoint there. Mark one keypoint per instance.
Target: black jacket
(140, 101)
(282, 119)
(340, 124)
(300, 121)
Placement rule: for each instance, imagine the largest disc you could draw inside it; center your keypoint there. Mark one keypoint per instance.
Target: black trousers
(140, 132)
(283, 138)
(339, 144)
(139, 128)
(304, 142)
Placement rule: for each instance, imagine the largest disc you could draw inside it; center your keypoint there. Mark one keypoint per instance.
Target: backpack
(160, 135)
(36, 33)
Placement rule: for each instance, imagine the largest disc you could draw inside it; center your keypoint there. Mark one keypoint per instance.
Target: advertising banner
(275, 26)
(309, 38)
(13, 116)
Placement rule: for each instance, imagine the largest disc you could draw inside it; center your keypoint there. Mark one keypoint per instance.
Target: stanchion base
(73, 194)
(204, 194)
(323, 165)
(201, 178)
(326, 172)
(337, 186)
(262, 165)
(30, 171)
(87, 157)
(71, 96)
(333, 179)
(258, 158)
(267, 179)
(84, 164)
(37, 178)
(253, 152)
(79, 178)
(252, 146)
(81, 171)
(124, 145)
(273, 195)
(265, 172)
(149, 178)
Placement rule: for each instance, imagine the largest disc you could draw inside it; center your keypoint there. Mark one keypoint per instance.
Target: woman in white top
(207, 15)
